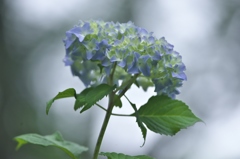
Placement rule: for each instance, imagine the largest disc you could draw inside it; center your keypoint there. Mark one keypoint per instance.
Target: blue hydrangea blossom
(94, 47)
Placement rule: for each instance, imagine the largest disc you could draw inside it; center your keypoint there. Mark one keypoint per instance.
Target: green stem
(128, 85)
(109, 110)
(107, 116)
(127, 115)
(104, 126)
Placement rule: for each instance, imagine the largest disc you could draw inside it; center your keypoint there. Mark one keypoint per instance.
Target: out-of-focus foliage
(72, 149)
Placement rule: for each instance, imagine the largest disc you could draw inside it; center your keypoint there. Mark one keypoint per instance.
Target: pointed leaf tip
(70, 92)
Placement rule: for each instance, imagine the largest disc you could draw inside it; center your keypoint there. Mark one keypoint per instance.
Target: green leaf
(136, 83)
(117, 101)
(56, 139)
(65, 94)
(167, 116)
(96, 94)
(113, 155)
(144, 157)
(81, 98)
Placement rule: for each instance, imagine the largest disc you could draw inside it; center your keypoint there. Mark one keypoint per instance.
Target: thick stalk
(104, 126)
(109, 111)
(107, 116)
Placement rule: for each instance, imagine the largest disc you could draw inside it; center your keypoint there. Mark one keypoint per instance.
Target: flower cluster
(94, 48)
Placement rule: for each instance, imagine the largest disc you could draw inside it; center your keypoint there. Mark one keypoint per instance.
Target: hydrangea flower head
(94, 48)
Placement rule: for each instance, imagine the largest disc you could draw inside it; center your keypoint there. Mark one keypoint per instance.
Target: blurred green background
(206, 33)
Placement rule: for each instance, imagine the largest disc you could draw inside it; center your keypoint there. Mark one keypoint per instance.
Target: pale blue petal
(180, 75)
(89, 55)
(67, 61)
(122, 63)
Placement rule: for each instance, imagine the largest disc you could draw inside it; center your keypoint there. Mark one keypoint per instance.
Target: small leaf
(81, 98)
(136, 83)
(113, 155)
(65, 94)
(56, 139)
(96, 94)
(117, 101)
(164, 115)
